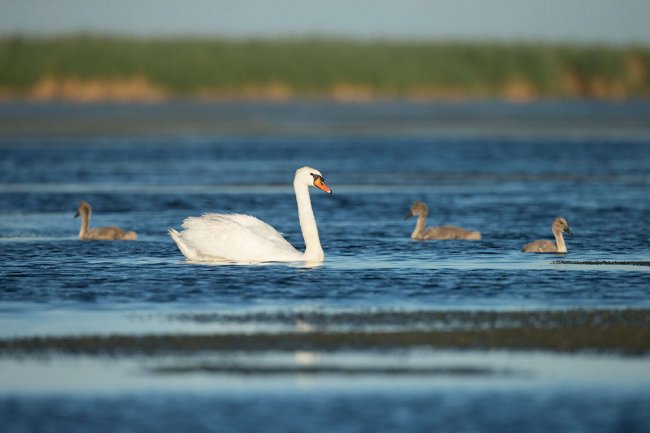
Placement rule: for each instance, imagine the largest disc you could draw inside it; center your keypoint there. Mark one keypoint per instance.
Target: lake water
(388, 334)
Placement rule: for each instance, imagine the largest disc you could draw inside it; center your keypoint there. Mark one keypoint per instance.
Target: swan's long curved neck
(313, 249)
(85, 220)
(559, 241)
(420, 225)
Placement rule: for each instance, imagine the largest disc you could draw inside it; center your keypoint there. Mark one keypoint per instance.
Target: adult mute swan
(423, 233)
(100, 233)
(244, 238)
(559, 226)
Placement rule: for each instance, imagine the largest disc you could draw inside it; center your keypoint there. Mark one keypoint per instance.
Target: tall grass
(313, 67)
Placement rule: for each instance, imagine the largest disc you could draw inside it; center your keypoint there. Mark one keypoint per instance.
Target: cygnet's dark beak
(76, 215)
(408, 215)
(568, 231)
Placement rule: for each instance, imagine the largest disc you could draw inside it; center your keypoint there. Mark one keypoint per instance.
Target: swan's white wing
(234, 237)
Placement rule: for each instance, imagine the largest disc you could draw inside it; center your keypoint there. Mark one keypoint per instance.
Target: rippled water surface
(504, 170)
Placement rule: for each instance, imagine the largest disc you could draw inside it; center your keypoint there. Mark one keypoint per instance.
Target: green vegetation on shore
(89, 68)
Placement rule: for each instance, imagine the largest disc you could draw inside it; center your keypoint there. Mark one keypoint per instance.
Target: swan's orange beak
(318, 183)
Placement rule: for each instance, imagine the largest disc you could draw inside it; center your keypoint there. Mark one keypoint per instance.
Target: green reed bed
(315, 67)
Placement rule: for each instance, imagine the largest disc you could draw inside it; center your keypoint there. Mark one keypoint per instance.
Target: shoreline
(140, 91)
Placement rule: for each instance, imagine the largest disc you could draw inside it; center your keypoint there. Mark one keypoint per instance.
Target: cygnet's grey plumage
(448, 232)
(100, 233)
(559, 226)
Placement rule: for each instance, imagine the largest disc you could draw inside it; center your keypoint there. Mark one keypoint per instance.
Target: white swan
(244, 238)
(559, 226)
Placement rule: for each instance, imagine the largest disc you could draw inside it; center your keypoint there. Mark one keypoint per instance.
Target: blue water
(508, 183)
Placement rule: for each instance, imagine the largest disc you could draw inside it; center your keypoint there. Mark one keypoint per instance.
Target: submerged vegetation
(102, 68)
(621, 331)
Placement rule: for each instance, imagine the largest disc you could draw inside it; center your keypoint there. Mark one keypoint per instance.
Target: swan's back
(109, 234)
(541, 246)
(232, 237)
(451, 232)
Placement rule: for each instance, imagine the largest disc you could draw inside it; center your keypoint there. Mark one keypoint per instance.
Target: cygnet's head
(311, 177)
(560, 225)
(417, 208)
(83, 209)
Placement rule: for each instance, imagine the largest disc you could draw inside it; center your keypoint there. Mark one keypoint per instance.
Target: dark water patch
(442, 320)
(604, 262)
(339, 370)
(623, 332)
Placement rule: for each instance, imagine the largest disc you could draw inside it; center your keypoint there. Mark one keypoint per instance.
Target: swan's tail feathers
(187, 251)
(474, 236)
(130, 236)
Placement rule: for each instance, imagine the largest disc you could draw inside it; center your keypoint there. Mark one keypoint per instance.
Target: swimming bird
(100, 233)
(246, 239)
(420, 233)
(559, 226)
